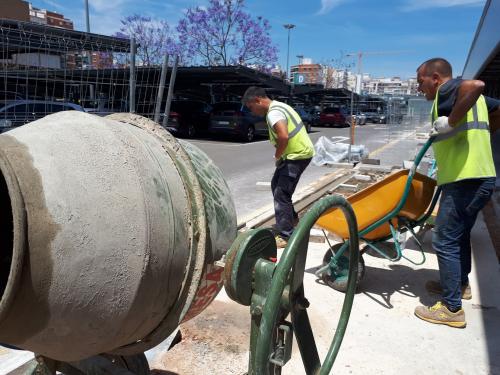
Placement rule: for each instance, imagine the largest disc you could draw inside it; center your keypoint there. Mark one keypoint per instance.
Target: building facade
(306, 73)
(389, 86)
(24, 11)
(49, 18)
(18, 10)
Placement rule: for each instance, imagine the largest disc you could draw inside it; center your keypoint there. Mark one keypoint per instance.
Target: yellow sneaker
(439, 314)
(281, 242)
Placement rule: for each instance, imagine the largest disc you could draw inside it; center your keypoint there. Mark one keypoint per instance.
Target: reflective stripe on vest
(468, 125)
(464, 152)
(291, 117)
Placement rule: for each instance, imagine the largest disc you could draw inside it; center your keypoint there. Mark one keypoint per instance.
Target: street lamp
(87, 21)
(288, 26)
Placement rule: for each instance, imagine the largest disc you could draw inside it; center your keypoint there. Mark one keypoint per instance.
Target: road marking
(338, 139)
(392, 143)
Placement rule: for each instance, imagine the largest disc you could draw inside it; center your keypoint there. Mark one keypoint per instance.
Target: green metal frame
(395, 232)
(284, 292)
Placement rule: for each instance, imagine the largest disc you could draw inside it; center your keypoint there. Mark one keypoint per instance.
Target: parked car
(383, 117)
(360, 118)
(235, 119)
(10, 95)
(394, 118)
(19, 112)
(306, 117)
(373, 116)
(315, 113)
(334, 116)
(188, 118)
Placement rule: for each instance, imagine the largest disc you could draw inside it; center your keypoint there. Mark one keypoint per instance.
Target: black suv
(188, 118)
(236, 119)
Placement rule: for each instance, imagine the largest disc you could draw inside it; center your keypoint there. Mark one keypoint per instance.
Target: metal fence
(45, 69)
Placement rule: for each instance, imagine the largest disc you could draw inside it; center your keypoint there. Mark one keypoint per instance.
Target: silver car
(19, 112)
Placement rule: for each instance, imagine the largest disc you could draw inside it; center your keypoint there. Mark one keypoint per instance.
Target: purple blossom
(153, 37)
(224, 33)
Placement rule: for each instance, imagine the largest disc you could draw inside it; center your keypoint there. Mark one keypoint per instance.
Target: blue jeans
(459, 205)
(285, 180)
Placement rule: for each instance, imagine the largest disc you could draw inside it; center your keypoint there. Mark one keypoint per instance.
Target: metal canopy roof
(324, 95)
(22, 37)
(483, 60)
(198, 82)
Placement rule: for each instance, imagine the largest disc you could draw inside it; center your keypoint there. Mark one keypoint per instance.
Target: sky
(395, 36)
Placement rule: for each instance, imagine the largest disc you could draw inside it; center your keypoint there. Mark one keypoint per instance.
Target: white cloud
(328, 5)
(411, 5)
(54, 4)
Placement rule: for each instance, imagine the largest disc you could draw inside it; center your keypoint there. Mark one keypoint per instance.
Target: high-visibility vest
(299, 144)
(464, 152)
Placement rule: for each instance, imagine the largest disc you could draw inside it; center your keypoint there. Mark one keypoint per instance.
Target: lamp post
(87, 20)
(289, 27)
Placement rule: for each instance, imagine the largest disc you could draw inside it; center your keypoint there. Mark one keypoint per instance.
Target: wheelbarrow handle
(420, 154)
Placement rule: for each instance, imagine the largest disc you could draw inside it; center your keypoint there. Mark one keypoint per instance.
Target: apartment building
(306, 73)
(18, 10)
(49, 18)
(390, 86)
(24, 11)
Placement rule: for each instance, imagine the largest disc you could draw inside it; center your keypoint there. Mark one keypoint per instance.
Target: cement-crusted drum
(110, 229)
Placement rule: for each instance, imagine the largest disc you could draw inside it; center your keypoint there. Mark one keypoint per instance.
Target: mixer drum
(110, 228)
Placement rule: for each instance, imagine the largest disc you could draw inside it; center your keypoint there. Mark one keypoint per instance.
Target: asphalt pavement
(246, 164)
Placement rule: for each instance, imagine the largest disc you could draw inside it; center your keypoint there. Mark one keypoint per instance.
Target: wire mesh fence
(46, 69)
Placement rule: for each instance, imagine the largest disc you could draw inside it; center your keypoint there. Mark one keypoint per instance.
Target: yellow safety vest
(464, 152)
(299, 144)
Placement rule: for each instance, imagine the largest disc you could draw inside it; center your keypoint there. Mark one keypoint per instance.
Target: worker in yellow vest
(466, 174)
(293, 153)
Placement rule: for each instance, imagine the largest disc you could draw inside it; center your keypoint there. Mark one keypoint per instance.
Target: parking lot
(245, 164)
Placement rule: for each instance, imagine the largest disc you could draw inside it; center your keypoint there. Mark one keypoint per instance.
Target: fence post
(170, 91)
(132, 76)
(161, 88)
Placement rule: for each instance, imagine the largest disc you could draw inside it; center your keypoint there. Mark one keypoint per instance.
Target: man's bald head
(431, 74)
(436, 65)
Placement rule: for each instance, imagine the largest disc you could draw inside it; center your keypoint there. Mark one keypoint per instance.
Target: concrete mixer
(112, 235)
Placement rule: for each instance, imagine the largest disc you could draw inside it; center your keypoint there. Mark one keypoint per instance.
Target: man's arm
(467, 96)
(281, 129)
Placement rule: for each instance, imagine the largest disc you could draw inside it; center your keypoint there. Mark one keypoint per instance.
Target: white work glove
(440, 126)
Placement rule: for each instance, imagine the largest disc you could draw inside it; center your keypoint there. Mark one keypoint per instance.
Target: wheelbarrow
(385, 210)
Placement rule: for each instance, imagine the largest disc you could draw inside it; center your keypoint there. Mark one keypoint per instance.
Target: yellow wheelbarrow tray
(385, 210)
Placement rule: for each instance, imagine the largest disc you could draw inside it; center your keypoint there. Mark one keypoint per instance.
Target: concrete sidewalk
(383, 336)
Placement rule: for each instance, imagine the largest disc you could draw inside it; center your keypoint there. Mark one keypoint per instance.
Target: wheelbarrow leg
(397, 245)
(420, 247)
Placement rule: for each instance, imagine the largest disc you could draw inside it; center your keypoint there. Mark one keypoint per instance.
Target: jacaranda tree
(225, 34)
(153, 37)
